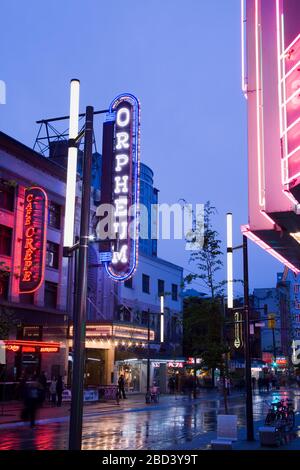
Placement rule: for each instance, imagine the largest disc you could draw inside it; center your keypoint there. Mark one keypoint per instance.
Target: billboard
(33, 240)
(119, 211)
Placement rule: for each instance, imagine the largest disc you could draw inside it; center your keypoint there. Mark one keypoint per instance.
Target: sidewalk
(10, 412)
(203, 442)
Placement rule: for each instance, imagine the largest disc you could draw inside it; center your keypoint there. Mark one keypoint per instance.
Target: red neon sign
(34, 240)
(31, 346)
(12, 347)
(49, 349)
(28, 349)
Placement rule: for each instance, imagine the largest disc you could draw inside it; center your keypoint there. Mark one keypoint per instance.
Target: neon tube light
(229, 261)
(72, 165)
(279, 64)
(290, 196)
(285, 51)
(291, 126)
(259, 129)
(263, 212)
(244, 82)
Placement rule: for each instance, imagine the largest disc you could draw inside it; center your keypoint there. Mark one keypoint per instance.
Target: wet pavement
(165, 426)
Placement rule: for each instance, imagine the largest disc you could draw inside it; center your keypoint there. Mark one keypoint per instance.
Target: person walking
(52, 390)
(32, 400)
(121, 386)
(59, 390)
(43, 381)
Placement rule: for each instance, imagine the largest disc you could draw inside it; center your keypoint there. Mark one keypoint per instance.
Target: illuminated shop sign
(175, 365)
(25, 346)
(34, 239)
(120, 186)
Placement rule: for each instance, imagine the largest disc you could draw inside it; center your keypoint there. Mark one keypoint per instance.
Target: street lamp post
(249, 405)
(246, 319)
(75, 435)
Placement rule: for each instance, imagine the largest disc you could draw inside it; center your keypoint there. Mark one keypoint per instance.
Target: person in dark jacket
(43, 382)
(59, 390)
(32, 400)
(121, 386)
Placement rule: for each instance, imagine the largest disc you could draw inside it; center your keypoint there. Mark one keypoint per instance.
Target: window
(50, 294)
(128, 283)
(5, 240)
(146, 283)
(4, 282)
(54, 215)
(160, 287)
(7, 195)
(52, 257)
(174, 292)
(296, 288)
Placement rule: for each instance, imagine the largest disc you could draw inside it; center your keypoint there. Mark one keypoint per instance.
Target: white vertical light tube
(229, 261)
(162, 323)
(72, 164)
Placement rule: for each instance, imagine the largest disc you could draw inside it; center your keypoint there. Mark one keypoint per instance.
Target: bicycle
(281, 415)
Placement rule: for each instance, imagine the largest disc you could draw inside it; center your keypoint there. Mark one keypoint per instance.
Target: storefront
(161, 370)
(102, 342)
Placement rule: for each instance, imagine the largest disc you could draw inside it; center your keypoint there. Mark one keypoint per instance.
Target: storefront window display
(131, 374)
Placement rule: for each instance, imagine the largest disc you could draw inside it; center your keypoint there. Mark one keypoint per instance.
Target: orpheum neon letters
(120, 184)
(34, 240)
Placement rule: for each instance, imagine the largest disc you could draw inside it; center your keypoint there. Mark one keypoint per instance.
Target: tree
(8, 321)
(207, 256)
(204, 318)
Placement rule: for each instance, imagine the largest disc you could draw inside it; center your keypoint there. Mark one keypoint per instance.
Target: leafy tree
(203, 318)
(207, 256)
(8, 321)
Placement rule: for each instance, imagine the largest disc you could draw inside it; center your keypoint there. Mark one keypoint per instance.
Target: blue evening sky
(181, 58)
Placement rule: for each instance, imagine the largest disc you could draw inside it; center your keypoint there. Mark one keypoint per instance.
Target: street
(165, 426)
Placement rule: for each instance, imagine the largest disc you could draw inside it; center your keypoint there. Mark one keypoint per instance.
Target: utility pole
(249, 406)
(79, 323)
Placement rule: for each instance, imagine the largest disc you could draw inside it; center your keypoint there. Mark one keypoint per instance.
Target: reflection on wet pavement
(149, 429)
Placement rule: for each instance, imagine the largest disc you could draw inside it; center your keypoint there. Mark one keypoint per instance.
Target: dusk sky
(180, 58)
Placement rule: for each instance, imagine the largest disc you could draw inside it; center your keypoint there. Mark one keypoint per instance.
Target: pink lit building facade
(271, 84)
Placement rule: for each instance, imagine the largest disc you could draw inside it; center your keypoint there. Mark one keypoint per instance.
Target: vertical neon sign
(34, 240)
(122, 191)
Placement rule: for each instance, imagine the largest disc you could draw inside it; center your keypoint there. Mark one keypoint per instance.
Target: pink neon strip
(263, 212)
(290, 45)
(247, 232)
(259, 124)
(244, 83)
(290, 196)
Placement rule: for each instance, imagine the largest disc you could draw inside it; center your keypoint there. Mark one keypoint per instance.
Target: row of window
(7, 202)
(50, 297)
(160, 286)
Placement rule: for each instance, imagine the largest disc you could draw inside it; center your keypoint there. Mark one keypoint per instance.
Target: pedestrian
(32, 400)
(260, 384)
(59, 389)
(43, 381)
(171, 384)
(253, 383)
(227, 385)
(121, 387)
(52, 390)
